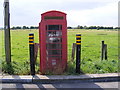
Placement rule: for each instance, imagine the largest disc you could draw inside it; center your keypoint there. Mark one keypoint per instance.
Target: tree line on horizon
(24, 27)
(69, 27)
(92, 27)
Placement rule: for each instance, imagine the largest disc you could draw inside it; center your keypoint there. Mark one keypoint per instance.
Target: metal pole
(78, 52)
(7, 31)
(31, 49)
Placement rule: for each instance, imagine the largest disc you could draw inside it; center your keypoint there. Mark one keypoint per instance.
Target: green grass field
(91, 51)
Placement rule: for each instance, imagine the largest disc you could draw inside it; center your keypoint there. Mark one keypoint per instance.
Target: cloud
(79, 12)
(106, 16)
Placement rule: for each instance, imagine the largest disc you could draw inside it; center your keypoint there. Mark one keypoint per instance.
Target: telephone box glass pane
(54, 27)
(54, 40)
(54, 52)
(54, 46)
(54, 33)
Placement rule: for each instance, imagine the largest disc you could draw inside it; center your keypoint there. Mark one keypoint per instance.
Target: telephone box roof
(53, 11)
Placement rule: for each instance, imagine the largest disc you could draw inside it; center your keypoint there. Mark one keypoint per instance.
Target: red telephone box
(53, 42)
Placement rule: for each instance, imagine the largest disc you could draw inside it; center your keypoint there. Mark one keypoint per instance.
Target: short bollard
(78, 52)
(31, 50)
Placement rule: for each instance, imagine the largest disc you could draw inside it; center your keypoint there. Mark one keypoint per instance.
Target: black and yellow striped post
(31, 50)
(78, 52)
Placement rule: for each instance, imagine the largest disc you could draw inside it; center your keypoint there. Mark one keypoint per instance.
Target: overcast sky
(79, 12)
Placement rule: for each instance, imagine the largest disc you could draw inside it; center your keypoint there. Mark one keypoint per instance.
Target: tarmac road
(56, 86)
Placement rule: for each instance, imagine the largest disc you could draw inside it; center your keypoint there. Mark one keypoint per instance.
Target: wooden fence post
(73, 51)
(36, 46)
(105, 46)
(102, 50)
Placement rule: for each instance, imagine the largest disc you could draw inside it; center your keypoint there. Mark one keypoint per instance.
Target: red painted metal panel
(53, 42)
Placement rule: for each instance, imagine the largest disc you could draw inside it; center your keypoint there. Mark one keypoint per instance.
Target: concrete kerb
(17, 79)
(61, 78)
(76, 78)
